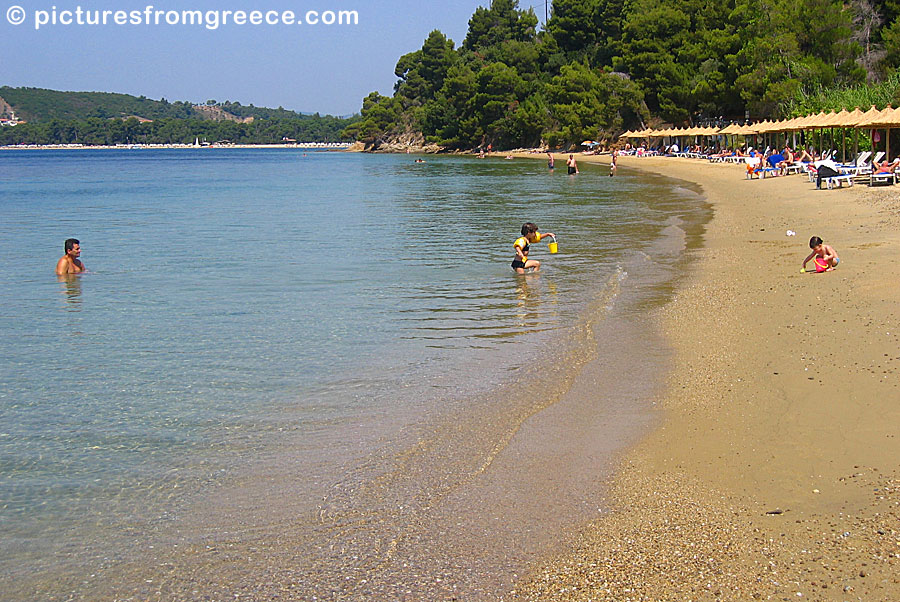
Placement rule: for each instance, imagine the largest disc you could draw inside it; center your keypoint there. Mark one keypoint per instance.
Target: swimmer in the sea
(69, 263)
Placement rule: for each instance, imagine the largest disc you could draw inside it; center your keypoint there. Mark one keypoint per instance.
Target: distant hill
(37, 105)
(50, 117)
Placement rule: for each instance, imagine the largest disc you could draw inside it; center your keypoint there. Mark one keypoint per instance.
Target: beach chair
(796, 167)
(755, 165)
(860, 166)
(882, 178)
(838, 181)
(812, 171)
(752, 166)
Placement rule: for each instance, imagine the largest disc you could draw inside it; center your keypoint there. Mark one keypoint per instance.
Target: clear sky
(302, 67)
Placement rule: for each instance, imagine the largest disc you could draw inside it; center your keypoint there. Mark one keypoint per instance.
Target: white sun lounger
(838, 181)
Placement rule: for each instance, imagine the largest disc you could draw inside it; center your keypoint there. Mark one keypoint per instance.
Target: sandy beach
(775, 473)
(754, 459)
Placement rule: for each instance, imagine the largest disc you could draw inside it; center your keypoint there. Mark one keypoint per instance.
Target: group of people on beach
(572, 164)
(823, 256)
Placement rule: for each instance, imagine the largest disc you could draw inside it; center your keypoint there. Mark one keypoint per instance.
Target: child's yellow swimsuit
(522, 242)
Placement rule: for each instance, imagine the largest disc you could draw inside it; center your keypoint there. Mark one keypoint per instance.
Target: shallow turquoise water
(238, 301)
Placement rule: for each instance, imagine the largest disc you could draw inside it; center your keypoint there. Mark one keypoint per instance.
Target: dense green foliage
(55, 117)
(818, 99)
(37, 105)
(94, 131)
(602, 66)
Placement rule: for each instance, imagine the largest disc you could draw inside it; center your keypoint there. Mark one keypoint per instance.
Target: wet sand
(775, 473)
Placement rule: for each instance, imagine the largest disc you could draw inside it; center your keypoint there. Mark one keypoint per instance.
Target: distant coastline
(335, 146)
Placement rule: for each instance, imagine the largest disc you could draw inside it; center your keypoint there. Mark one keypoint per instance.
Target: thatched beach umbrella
(818, 121)
(853, 119)
(793, 126)
(887, 118)
(842, 120)
(729, 131)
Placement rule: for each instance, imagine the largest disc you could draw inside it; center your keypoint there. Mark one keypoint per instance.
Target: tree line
(601, 66)
(41, 105)
(96, 131)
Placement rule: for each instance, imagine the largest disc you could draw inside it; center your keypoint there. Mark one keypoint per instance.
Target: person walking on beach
(530, 234)
(824, 256)
(69, 262)
(572, 165)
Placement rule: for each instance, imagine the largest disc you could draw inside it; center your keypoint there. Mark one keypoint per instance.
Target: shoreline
(306, 146)
(448, 534)
(774, 472)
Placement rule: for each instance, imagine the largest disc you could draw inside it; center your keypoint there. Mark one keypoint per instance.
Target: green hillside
(37, 105)
(103, 118)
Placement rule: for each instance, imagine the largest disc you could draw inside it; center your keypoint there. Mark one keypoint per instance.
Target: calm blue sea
(275, 312)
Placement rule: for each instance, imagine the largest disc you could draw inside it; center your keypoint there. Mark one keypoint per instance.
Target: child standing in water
(530, 234)
(824, 257)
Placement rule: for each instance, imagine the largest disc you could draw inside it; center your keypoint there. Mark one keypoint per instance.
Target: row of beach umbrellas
(873, 118)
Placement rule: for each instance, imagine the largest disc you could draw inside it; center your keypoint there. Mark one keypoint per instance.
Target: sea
(305, 375)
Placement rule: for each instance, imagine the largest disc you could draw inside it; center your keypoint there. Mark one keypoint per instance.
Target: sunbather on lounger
(804, 157)
(886, 167)
(775, 161)
(789, 160)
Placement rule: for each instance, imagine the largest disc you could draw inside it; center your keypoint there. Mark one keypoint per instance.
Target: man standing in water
(572, 165)
(69, 263)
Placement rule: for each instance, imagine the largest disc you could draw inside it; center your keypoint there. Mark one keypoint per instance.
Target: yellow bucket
(553, 246)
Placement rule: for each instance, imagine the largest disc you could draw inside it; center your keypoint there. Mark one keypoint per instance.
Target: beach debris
(791, 233)
(775, 512)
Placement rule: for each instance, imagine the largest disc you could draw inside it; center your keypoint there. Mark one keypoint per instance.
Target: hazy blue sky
(301, 67)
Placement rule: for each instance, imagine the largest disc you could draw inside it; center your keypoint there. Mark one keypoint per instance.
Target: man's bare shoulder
(65, 265)
(62, 266)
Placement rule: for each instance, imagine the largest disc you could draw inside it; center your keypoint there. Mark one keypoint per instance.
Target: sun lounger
(752, 166)
(860, 167)
(755, 166)
(838, 181)
(882, 178)
(795, 168)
